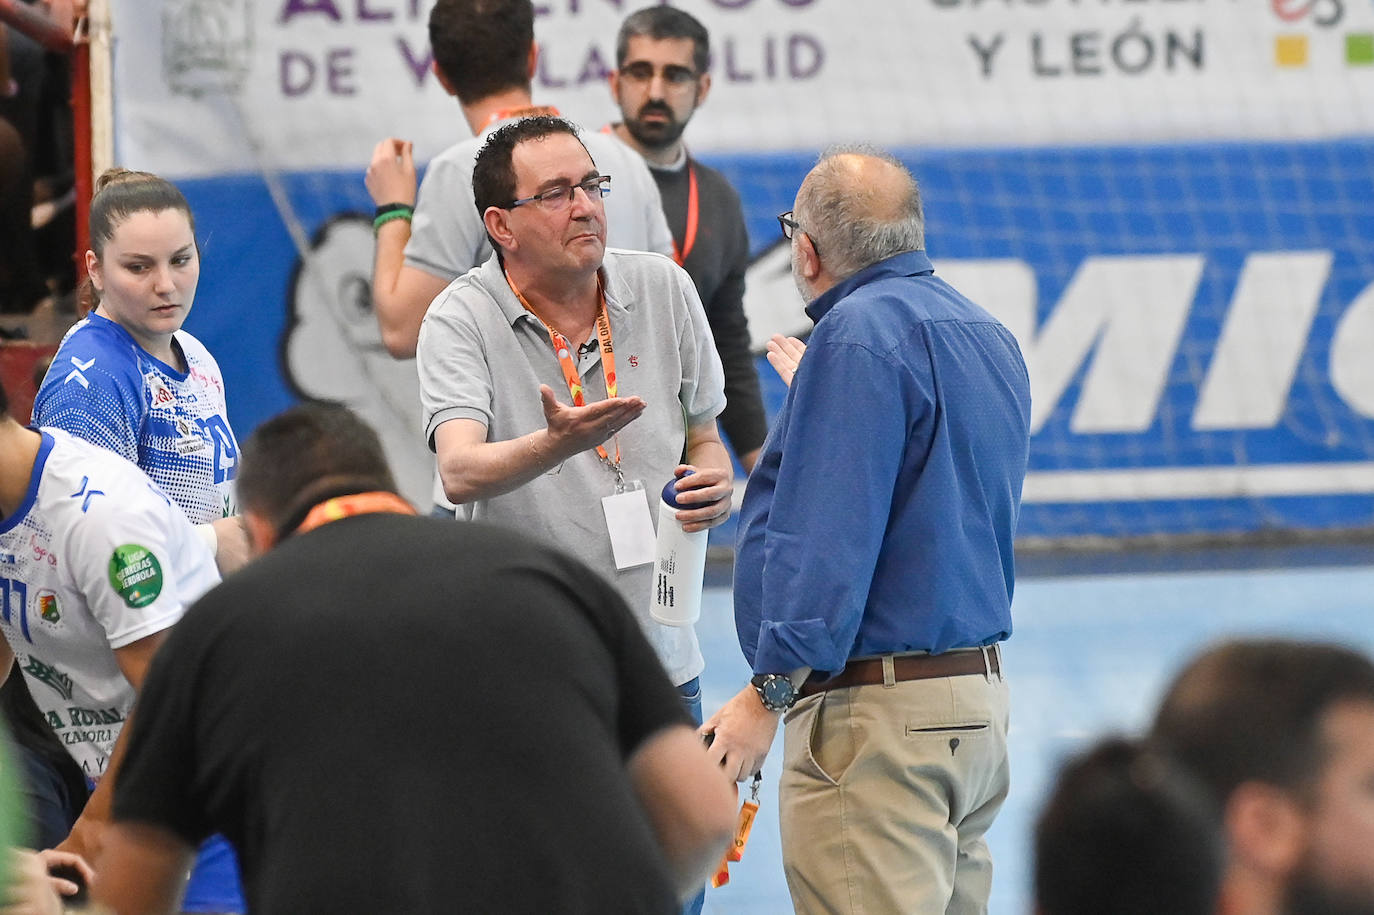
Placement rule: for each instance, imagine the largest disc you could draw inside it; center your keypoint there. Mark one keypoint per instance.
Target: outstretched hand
(784, 355)
(576, 429)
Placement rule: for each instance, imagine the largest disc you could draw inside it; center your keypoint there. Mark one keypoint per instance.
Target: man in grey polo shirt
(559, 375)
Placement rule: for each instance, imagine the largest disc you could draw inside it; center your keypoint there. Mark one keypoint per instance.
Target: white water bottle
(679, 566)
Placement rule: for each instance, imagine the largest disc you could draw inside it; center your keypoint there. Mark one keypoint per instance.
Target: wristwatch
(776, 691)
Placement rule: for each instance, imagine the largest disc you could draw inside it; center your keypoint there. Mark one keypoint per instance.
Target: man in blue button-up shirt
(873, 575)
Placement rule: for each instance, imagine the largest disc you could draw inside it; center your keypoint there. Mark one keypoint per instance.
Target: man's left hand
(707, 490)
(743, 731)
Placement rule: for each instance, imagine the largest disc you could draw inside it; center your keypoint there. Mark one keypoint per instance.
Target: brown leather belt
(909, 667)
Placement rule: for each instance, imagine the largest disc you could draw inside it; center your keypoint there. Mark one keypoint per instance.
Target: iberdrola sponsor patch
(136, 574)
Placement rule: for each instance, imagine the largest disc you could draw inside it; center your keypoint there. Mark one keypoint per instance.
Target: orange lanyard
(735, 852)
(693, 214)
(363, 503)
(506, 114)
(563, 350)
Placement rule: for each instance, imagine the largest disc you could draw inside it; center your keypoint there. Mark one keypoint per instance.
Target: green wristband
(387, 217)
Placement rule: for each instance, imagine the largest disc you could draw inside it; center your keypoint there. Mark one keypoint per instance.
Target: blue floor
(1091, 654)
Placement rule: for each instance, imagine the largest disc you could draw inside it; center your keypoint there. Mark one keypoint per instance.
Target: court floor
(1096, 641)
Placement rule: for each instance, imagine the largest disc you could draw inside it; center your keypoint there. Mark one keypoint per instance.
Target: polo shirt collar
(908, 263)
(618, 297)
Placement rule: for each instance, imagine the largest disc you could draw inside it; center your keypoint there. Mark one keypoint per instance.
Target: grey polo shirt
(482, 356)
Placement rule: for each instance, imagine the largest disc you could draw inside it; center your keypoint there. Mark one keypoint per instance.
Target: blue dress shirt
(881, 512)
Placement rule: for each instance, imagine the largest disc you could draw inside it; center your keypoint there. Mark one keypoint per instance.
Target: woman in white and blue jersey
(129, 379)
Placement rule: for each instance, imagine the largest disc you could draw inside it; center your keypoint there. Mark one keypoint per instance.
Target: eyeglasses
(557, 198)
(790, 225)
(643, 72)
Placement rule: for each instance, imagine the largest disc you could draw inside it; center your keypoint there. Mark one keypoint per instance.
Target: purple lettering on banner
(541, 10)
(371, 15)
(545, 78)
(732, 71)
(294, 8)
(339, 65)
(294, 80)
(732, 4)
(418, 67)
(575, 6)
(797, 4)
(799, 48)
(594, 69)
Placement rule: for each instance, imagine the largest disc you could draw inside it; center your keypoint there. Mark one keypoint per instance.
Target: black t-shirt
(409, 715)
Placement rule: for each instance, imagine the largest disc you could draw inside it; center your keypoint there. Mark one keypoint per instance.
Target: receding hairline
(882, 185)
(529, 141)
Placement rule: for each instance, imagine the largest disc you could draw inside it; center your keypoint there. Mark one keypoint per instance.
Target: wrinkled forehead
(558, 158)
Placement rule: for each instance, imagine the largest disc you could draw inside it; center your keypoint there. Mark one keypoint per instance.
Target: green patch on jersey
(136, 574)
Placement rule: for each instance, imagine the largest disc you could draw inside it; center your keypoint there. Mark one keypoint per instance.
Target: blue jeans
(691, 700)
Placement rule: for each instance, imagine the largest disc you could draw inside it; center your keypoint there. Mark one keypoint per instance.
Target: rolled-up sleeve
(838, 455)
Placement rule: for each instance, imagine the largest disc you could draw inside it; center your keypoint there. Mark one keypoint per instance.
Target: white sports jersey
(107, 389)
(96, 558)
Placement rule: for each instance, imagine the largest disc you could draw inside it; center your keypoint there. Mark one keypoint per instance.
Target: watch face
(778, 692)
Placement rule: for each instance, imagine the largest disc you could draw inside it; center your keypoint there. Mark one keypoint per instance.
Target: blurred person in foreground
(1127, 831)
(874, 567)
(1282, 735)
(568, 779)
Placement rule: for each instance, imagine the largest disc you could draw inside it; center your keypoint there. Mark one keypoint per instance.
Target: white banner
(214, 86)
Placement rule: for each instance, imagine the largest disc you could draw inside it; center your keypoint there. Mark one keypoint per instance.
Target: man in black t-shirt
(388, 713)
(660, 79)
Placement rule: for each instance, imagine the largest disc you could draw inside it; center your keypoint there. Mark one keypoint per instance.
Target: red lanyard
(363, 503)
(531, 111)
(693, 213)
(563, 350)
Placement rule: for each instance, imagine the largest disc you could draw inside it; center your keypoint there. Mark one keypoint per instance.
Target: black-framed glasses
(558, 198)
(641, 71)
(790, 226)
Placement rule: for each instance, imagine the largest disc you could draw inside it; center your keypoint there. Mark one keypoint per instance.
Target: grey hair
(851, 225)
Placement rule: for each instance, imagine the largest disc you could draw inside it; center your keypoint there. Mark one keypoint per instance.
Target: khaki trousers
(887, 792)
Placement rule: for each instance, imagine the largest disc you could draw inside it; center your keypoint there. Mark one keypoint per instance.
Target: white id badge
(630, 526)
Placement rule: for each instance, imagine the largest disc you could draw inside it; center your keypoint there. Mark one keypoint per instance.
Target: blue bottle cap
(670, 494)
